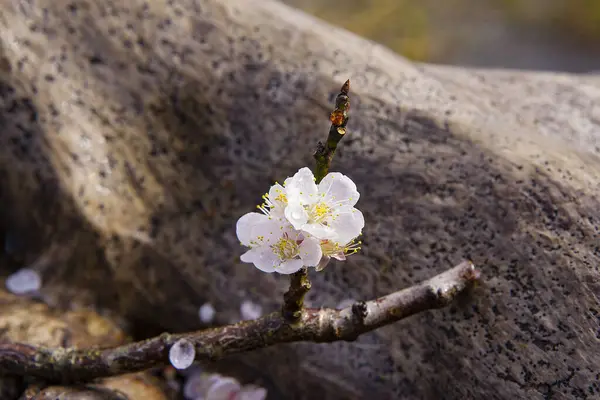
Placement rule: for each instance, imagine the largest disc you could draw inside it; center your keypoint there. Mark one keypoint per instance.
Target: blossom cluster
(302, 223)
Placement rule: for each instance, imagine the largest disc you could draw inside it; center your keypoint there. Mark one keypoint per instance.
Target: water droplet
(250, 310)
(223, 389)
(182, 354)
(207, 313)
(24, 281)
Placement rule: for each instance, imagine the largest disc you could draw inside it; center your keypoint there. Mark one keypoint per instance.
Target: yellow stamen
(281, 197)
(321, 209)
(330, 248)
(285, 248)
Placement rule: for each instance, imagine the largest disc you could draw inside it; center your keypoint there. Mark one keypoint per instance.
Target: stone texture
(27, 320)
(134, 134)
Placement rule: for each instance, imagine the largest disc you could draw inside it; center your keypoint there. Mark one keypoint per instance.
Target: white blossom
(332, 249)
(275, 201)
(326, 211)
(275, 246)
(303, 224)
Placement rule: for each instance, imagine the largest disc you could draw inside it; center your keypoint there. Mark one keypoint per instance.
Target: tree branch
(293, 300)
(315, 325)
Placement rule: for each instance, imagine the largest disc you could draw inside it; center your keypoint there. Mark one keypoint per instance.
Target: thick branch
(315, 325)
(293, 299)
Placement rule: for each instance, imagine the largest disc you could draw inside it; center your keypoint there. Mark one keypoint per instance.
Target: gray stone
(136, 133)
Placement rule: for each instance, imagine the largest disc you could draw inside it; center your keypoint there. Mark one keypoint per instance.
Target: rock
(139, 132)
(125, 387)
(28, 321)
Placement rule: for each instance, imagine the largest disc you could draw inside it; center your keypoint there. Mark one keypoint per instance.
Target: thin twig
(316, 325)
(293, 300)
(339, 119)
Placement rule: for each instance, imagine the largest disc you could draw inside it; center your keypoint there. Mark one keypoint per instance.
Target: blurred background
(559, 35)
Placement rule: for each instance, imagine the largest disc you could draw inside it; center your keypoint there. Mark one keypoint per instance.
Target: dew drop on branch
(182, 354)
(25, 280)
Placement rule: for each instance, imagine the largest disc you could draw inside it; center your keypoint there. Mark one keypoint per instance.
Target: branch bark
(315, 325)
(339, 118)
(293, 299)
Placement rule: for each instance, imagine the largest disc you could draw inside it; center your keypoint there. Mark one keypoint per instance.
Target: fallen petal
(25, 280)
(223, 389)
(251, 392)
(207, 313)
(250, 310)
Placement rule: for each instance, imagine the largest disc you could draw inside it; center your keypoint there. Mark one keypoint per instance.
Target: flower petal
(246, 223)
(338, 188)
(266, 260)
(290, 266)
(348, 225)
(302, 187)
(277, 196)
(249, 256)
(320, 231)
(267, 232)
(310, 252)
(296, 215)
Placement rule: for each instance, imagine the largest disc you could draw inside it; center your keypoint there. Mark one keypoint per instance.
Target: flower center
(285, 248)
(270, 203)
(319, 212)
(281, 197)
(331, 248)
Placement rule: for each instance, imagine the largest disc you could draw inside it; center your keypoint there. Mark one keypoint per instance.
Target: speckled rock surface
(135, 133)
